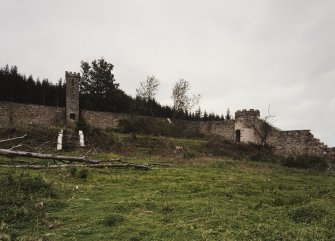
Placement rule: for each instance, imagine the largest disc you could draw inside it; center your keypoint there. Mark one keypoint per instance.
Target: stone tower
(246, 125)
(72, 97)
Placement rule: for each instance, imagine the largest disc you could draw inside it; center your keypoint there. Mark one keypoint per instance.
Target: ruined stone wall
(18, 115)
(296, 142)
(253, 129)
(23, 115)
(218, 128)
(110, 120)
(103, 120)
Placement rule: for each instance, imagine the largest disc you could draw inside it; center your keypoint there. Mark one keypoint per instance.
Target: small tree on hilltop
(182, 100)
(148, 90)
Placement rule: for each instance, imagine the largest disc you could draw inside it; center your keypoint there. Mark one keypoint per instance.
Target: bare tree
(182, 99)
(263, 127)
(148, 90)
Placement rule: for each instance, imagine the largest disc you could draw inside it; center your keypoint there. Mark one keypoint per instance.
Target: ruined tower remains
(72, 97)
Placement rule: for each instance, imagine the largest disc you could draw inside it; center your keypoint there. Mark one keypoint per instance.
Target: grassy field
(219, 200)
(198, 196)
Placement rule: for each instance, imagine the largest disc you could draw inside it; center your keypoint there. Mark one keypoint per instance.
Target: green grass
(202, 195)
(215, 200)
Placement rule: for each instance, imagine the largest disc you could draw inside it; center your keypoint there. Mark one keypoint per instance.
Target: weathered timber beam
(11, 153)
(128, 165)
(12, 139)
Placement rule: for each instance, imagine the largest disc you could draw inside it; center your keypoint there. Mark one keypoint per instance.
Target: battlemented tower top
(246, 113)
(72, 74)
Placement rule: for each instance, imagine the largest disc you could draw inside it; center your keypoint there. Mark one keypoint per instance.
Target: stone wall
(218, 128)
(18, 115)
(296, 142)
(110, 120)
(253, 129)
(23, 115)
(103, 120)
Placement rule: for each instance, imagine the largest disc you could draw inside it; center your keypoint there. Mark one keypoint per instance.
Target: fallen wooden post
(15, 138)
(127, 165)
(11, 153)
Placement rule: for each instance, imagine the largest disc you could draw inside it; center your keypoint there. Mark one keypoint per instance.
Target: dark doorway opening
(238, 135)
(72, 116)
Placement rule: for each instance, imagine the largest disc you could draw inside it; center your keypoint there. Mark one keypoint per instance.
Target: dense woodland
(16, 87)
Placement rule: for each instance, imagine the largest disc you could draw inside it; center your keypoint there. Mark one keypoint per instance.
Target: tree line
(16, 87)
(100, 92)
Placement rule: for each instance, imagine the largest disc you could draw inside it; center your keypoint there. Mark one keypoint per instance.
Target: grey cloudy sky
(236, 54)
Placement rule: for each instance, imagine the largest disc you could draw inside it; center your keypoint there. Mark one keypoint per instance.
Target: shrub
(23, 200)
(189, 155)
(126, 126)
(82, 125)
(237, 151)
(78, 173)
(114, 220)
(305, 162)
(308, 214)
(100, 138)
(168, 208)
(73, 171)
(83, 173)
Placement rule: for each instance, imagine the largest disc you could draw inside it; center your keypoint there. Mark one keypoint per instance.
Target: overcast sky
(236, 54)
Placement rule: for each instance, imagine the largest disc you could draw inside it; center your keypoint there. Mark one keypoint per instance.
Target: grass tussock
(24, 201)
(309, 213)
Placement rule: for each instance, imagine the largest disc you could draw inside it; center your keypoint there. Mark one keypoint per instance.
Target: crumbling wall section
(255, 130)
(297, 142)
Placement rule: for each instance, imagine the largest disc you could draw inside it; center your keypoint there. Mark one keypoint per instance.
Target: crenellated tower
(247, 125)
(247, 113)
(72, 97)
